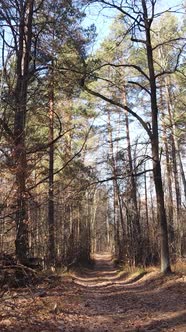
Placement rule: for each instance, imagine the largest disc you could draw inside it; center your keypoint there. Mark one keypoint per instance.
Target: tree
(139, 17)
(19, 19)
(28, 94)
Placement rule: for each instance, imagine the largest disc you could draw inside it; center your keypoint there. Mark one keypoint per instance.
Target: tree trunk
(174, 150)
(21, 90)
(169, 179)
(182, 173)
(134, 214)
(51, 223)
(161, 214)
(117, 198)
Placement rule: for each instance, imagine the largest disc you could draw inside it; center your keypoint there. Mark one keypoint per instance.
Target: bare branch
(168, 42)
(138, 68)
(119, 177)
(138, 40)
(42, 147)
(140, 85)
(116, 103)
(6, 128)
(168, 72)
(66, 164)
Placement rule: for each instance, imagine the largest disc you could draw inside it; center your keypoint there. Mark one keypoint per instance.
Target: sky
(103, 18)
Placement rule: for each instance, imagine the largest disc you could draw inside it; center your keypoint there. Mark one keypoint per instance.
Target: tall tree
(51, 224)
(31, 51)
(140, 16)
(19, 19)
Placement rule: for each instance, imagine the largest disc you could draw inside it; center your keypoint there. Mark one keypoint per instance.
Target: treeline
(62, 108)
(139, 71)
(44, 131)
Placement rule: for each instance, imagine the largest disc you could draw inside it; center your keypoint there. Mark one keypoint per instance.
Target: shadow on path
(101, 299)
(132, 302)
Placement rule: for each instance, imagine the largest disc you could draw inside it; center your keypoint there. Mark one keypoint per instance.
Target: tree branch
(141, 86)
(66, 164)
(168, 72)
(168, 42)
(46, 146)
(126, 66)
(116, 103)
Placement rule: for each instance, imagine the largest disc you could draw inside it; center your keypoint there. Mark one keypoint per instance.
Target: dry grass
(179, 266)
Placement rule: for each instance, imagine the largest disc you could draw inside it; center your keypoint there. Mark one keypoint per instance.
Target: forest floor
(101, 299)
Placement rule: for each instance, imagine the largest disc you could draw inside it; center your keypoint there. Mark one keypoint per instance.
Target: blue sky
(103, 18)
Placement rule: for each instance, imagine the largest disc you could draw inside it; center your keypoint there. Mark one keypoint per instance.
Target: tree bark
(51, 222)
(182, 173)
(170, 205)
(21, 91)
(117, 198)
(174, 150)
(161, 213)
(134, 214)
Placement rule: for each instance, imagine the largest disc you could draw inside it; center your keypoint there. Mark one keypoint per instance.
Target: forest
(92, 140)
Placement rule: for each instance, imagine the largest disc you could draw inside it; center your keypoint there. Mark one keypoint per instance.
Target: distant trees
(89, 140)
(139, 19)
(39, 39)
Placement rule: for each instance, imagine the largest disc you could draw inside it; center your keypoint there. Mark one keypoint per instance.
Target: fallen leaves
(99, 300)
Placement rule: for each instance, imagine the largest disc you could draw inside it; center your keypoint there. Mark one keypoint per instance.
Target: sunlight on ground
(99, 299)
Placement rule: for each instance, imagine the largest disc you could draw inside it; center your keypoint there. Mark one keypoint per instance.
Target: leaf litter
(101, 299)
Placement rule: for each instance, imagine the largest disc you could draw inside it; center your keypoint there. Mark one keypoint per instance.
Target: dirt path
(98, 300)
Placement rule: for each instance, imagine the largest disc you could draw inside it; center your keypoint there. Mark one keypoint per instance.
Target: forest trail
(101, 299)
